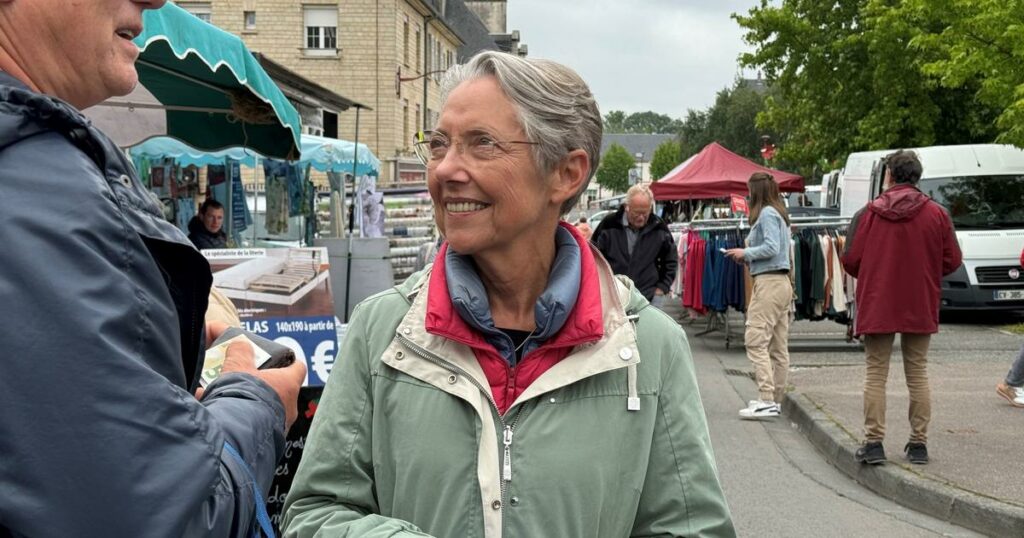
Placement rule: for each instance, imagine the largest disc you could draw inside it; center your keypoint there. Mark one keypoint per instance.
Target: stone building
(494, 15)
(384, 54)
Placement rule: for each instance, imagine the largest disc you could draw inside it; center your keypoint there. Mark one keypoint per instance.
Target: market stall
(201, 85)
(716, 172)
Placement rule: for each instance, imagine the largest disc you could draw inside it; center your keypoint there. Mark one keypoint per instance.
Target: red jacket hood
(899, 203)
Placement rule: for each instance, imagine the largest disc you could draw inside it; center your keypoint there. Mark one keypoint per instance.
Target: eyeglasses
(432, 146)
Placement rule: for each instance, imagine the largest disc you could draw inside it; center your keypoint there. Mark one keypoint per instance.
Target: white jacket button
(625, 353)
(452, 379)
(125, 180)
(399, 355)
(496, 505)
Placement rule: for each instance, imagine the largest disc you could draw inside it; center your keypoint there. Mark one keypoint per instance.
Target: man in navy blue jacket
(102, 319)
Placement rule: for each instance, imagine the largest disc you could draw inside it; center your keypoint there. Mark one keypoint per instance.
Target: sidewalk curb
(900, 483)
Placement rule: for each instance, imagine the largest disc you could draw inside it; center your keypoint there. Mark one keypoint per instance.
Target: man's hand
(735, 254)
(657, 291)
(285, 381)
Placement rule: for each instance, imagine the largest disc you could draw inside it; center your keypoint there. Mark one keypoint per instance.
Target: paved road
(775, 481)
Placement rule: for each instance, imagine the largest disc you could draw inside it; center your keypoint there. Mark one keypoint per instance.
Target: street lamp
(399, 79)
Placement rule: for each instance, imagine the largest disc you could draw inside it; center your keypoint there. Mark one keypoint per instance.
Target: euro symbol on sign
(323, 359)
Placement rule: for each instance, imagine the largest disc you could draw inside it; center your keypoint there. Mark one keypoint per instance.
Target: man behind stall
(206, 230)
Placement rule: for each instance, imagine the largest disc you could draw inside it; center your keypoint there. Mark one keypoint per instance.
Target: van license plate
(1009, 295)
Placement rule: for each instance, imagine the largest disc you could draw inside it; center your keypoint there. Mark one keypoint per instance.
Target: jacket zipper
(507, 429)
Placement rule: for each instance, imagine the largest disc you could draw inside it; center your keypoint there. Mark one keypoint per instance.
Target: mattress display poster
(283, 294)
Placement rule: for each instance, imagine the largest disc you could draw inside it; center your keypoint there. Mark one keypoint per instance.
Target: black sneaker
(871, 453)
(917, 453)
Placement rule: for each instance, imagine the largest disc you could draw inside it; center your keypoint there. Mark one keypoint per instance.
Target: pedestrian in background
(767, 331)
(898, 248)
(102, 318)
(638, 244)
(1012, 388)
(584, 227)
(515, 388)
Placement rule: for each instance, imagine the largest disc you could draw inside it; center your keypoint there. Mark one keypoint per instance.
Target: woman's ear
(570, 175)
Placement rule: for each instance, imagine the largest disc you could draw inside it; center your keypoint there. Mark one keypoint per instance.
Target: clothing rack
(718, 321)
(826, 223)
(802, 225)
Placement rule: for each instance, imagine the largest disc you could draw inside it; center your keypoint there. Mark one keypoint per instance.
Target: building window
(249, 20)
(321, 29)
(202, 10)
(330, 120)
(416, 60)
(406, 135)
(405, 41)
(416, 120)
(437, 61)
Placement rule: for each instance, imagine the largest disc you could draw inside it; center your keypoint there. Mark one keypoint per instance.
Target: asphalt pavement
(795, 475)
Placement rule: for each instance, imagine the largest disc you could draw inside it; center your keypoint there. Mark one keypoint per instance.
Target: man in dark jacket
(899, 247)
(206, 230)
(638, 244)
(103, 300)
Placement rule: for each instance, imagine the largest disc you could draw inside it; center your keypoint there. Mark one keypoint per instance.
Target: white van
(982, 187)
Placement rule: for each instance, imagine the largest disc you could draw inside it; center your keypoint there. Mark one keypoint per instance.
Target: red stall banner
(739, 204)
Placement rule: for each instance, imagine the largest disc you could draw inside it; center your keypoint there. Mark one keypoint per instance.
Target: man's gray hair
(639, 190)
(555, 106)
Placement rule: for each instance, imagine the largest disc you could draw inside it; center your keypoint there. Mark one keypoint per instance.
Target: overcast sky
(662, 55)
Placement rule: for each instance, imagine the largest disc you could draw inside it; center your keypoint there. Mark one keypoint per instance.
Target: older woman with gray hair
(515, 387)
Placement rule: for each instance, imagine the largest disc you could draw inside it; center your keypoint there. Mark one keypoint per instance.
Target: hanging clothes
(693, 282)
(186, 209)
(722, 284)
(277, 200)
(819, 280)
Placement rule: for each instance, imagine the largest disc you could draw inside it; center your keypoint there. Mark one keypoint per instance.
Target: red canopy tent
(716, 172)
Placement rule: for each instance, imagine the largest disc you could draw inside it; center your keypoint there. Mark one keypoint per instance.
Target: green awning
(214, 91)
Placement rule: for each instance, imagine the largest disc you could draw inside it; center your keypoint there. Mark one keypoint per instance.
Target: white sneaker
(759, 409)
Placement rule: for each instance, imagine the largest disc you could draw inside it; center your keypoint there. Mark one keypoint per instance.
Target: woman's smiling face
(495, 204)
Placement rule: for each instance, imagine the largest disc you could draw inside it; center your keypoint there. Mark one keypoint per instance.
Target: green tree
(732, 121)
(613, 172)
(614, 122)
(694, 134)
(651, 123)
(618, 122)
(978, 48)
(847, 79)
(667, 156)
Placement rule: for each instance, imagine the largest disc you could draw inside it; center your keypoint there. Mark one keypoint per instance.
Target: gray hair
(639, 190)
(554, 105)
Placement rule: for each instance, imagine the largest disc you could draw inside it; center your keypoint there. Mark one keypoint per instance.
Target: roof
(292, 83)
(474, 34)
(636, 143)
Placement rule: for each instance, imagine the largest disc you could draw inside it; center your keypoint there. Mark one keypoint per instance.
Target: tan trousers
(915, 366)
(767, 334)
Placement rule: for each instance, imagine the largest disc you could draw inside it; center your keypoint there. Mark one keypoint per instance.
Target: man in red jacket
(899, 247)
